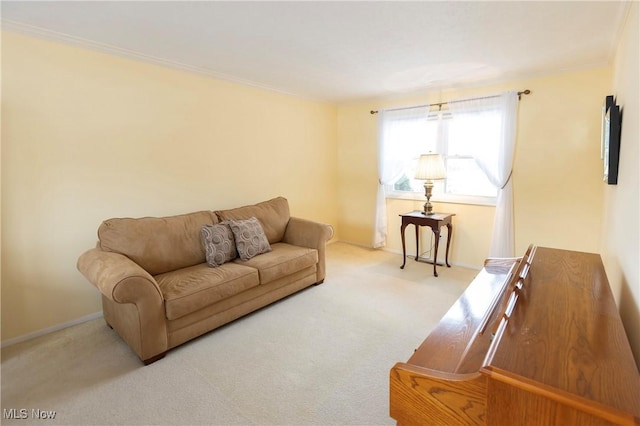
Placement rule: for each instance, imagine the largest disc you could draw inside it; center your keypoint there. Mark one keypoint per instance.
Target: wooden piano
(535, 340)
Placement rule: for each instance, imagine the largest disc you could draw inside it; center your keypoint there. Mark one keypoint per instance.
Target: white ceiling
(339, 50)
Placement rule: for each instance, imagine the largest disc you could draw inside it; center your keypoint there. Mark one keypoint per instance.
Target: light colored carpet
(319, 357)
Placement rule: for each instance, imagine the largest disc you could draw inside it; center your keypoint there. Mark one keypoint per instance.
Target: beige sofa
(158, 291)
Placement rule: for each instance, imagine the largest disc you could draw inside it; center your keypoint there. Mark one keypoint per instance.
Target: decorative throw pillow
(219, 244)
(250, 238)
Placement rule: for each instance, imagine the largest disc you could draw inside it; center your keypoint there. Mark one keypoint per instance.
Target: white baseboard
(48, 330)
(399, 252)
(367, 246)
(461, 265)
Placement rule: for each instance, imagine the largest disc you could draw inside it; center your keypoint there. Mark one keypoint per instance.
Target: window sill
(444, 198)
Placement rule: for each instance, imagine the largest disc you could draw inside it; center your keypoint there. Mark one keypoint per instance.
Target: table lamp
(430, 168)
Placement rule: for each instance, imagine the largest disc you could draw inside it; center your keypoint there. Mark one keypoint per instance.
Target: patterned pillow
(219, 245)
(250, 238)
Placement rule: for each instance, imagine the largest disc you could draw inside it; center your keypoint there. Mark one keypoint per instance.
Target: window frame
(439, 193)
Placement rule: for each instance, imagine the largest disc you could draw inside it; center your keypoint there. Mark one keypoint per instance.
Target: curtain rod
(439, 104)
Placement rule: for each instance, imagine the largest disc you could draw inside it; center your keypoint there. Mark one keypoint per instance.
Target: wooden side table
(435, 222)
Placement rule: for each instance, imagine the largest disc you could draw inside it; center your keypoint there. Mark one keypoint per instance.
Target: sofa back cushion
(272, 214)
(157, 244)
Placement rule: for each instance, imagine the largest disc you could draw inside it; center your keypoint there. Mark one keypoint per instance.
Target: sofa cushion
(219, 244)
(190, 289)
(157, 244)
(272, 214)
(283, 259)
(250, 238)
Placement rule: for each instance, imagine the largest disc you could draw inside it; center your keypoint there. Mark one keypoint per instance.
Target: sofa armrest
(117, 277)
(132, 301)
(311, 234)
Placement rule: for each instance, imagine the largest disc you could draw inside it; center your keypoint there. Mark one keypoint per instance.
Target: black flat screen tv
(610, 140)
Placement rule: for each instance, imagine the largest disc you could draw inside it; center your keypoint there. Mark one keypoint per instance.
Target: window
(477, 139)
(459, 140)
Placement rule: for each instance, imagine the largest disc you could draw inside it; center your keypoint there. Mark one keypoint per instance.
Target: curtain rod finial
(524, 92)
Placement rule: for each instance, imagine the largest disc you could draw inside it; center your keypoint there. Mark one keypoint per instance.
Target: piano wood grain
(539, 344)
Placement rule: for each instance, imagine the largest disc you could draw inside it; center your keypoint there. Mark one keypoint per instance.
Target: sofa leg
(154, 358)
(319, 282)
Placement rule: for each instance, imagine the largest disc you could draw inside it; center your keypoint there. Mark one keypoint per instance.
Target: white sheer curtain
(395, 152)
(495, 160)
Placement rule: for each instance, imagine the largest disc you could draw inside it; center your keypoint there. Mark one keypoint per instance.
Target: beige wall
(87, 136)
(621, 227)
(557, 173)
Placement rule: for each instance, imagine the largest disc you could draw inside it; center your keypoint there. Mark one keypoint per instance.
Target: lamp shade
(430, 167)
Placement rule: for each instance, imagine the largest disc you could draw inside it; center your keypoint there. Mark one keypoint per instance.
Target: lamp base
(428, 207)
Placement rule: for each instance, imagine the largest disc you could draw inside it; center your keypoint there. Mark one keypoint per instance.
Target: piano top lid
(565, 332)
